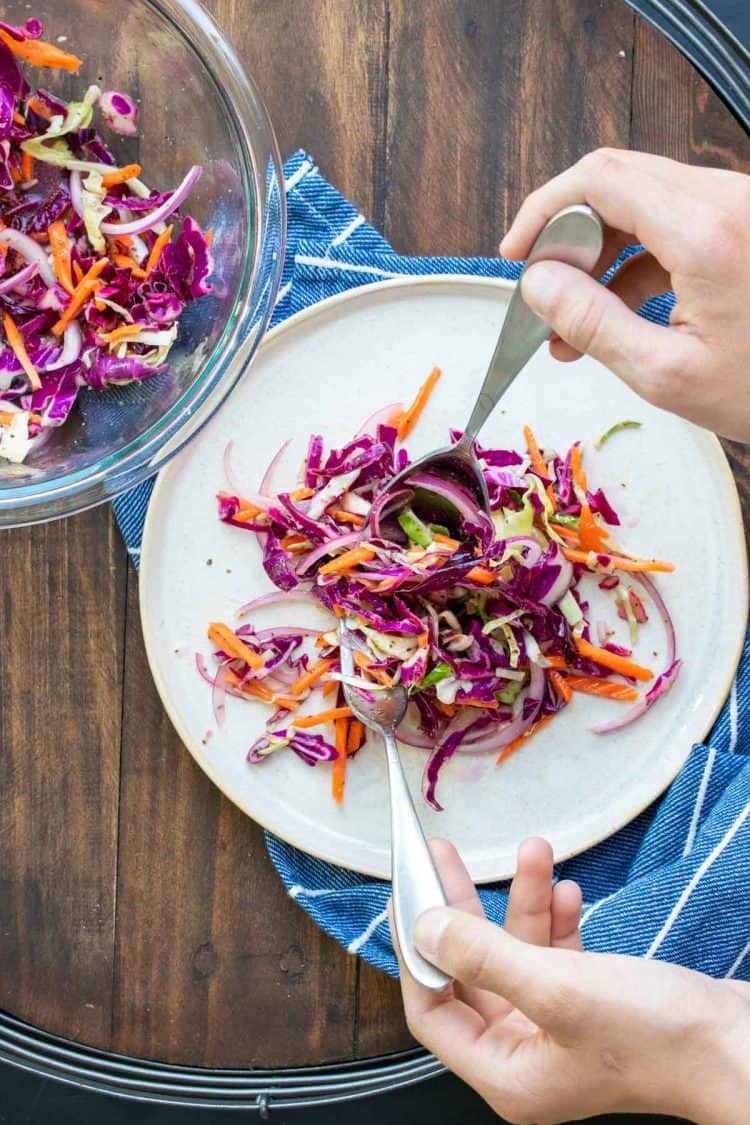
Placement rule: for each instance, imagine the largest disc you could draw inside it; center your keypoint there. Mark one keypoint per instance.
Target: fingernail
(541, 288)
(428, 929)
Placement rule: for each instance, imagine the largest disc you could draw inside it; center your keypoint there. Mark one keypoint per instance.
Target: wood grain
(138, 908)
(61, 637)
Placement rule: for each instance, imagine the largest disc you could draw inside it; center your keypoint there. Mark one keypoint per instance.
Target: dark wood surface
(138, 908)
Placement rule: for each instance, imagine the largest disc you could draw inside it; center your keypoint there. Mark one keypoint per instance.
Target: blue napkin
(675, 883)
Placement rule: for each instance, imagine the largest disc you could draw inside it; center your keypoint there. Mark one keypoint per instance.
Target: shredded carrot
(356, 736)
(561, 686)
(329, 688)
(18, 118)
(517, 743)
(448, 709)
(347, 517)
(338, 775)
(15, 339)
(15, 175)
(445, 541)
(27, 166)
(412, 413)
(39, 108)
(555, 661)
(537, 461)
(618, 562)
(307, 679)
(567, 533)
(338, 612)
(156, 249)
(482, 575)
(38, 53)
(7, 416)
(423, 640)
(223, 637)
(260, 691)
(349, 559)
(486, 704)
(209, 236)
(120, 175)
(379, 674)
(591, 535)
(247, 514)
(77, 272)
(60, 246)
(329, 716)
(126, 262)
(576, 468)
(124, 332)
(611, 660)
(303, 493)
(589, 685)
(125, 240)
(87, 285)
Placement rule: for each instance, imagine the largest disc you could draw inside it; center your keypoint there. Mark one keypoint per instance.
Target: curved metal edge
(708, 44)
(133, 1079)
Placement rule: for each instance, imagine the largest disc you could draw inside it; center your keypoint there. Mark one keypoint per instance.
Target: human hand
(547, 1033)
(695, 226)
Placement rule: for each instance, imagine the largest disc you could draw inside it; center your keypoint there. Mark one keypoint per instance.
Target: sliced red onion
(653, 592)
(219, 693)
(76, 193)
(264, 635)
(462, 501)
(146, 222)
(662, 684)
(274, 597)
(30, 250)
(19, 278)
(259, 500)
(71, 349)
(381, 417)
(265, 484)
(341, 541)
(510, 731)
(382, 503)
(120, 112)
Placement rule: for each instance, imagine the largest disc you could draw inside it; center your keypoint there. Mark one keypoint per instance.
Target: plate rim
(163, 479)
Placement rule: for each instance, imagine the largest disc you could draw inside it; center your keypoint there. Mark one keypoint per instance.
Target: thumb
(543, 983)
(586, 315)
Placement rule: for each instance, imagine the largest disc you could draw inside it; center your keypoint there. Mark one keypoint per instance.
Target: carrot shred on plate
(517, 743)
(410, 416)
(613, 661)
(590, 685)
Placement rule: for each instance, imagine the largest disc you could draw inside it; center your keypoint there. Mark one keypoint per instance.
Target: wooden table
(138, 908)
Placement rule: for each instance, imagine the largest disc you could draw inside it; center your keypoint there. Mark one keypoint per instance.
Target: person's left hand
(547, 1033)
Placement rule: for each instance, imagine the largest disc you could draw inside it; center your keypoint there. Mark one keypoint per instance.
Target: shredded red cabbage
(67, 209)
(483, 629)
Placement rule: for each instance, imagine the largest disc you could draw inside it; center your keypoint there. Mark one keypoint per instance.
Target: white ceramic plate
(325, 371)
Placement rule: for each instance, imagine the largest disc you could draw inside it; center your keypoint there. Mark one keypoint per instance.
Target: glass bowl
(196, 107)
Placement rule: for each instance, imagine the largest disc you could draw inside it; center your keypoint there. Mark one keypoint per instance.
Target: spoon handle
(416, 884)
(574, 236)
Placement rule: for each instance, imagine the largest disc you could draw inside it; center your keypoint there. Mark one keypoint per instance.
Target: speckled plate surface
(324, 371)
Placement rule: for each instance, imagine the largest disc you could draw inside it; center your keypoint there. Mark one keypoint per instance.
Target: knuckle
(584, 324)
(475, 958)
(602, 161)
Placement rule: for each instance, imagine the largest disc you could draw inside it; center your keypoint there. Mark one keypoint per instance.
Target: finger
(591, 319)
(566, 915)
(441, 1021)
(462, 894)
(541, 983)
(631, 192)
(528, 916)
(638, 279)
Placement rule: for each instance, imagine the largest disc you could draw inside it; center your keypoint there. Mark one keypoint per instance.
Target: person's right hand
(695, 226)
(547, 1033)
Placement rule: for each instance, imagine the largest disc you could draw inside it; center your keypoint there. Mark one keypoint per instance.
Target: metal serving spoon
(416, 884)
(574, 236)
